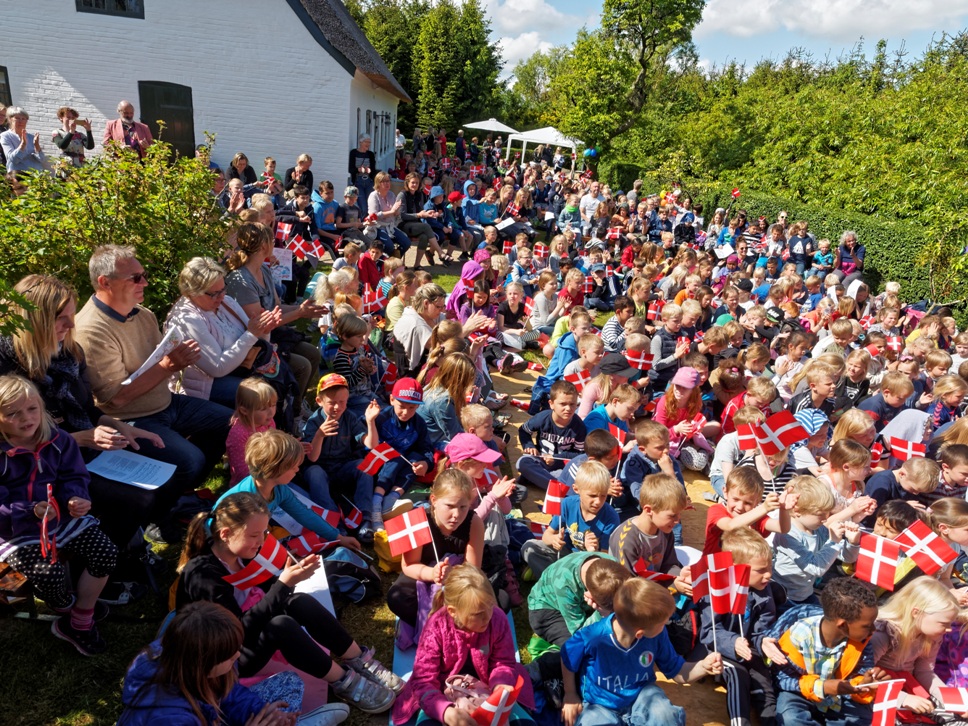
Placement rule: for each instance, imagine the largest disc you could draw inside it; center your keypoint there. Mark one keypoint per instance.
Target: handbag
(466, 692)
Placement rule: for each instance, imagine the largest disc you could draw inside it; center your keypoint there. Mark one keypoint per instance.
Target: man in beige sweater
(118, 335)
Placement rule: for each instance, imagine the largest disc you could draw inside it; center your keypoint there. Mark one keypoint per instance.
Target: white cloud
(520, 48)
(842, 20)
(512, 15)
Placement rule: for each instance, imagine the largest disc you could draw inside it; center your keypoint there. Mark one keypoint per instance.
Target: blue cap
(436, 192)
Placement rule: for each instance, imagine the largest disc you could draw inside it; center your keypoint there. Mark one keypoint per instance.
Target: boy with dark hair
(600, 446)
(649, 456)
(579, 323)
(828, 658)
(551, 438)
(953, 480)
(613, 332)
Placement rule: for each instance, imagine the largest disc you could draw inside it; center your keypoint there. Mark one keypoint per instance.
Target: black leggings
(301, 649)
(402, 599)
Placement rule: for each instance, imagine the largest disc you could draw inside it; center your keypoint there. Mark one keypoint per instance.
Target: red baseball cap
(408, 390)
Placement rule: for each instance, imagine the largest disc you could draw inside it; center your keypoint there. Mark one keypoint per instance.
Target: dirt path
(705, 702)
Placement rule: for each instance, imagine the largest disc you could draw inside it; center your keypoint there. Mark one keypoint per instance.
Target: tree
(527, 102)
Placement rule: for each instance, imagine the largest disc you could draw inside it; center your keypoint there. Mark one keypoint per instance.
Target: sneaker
(122, 593)
(366, 695)
(329, 714)
(519, 494)
(153, 534)
(504, 365)
(518, 364)
(376, 522)
(87, 642)
(369, 667)
(365, 535)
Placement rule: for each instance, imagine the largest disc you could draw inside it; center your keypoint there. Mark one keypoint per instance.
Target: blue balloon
(592, 153)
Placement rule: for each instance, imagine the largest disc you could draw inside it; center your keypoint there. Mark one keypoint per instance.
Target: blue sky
(746, 30)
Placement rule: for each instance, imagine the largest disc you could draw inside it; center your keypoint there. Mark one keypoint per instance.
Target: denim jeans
(395, 239)
(718, 482)
(535, 471)
(651, 708)
(343, 479)
(194, 431)
(395, 473)
(365, 185)
(223, 391)
(792, 709)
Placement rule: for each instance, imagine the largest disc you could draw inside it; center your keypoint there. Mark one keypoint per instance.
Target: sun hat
(469, 446)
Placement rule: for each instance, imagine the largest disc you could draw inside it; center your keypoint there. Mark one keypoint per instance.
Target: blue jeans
(718, 483)
(365, 185)
(536, 472)
(346, 480)
(194, 431)
(223, 391)
(395, 473)
(652, 706)
(397, 239)
(792, 709)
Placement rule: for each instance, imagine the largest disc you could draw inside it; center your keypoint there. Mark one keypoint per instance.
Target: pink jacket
(441, 653)
(115, 132)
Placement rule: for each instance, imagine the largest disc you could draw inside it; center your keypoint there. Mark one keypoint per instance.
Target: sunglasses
(136, 278)
(216, 294)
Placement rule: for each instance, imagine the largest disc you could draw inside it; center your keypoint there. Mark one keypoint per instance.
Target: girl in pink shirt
(255, 406)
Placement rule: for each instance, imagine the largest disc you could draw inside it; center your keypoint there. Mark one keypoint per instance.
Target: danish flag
(331, 518)
(376, 458)
(556, 492)
(622, 436)
(512, 210)
(264, 566)
(579, 378)
(778, 432)
(877, 561)
(589, 286)
(389, 377)
(614, 233)
(609, 271)
(408, 531)
(477, 170)
(535, 366)
(729, 589)
(373, 300)
(528, 306)
(283, 231)
(904, 450)
(877, 453)
(700, 422)
(303, 247)
(508, 246)
(496, 710)
(955, 700)
(537, 528)
(895, 343)
(746, 434)
(541, 250)
(867, 321)
(640, 359)
(488, 479)
(885, 702)
(445, 163)
(735, 193)
(701, 569)
(642, 569)
(308, 543)
(655, 309)
(925, 547)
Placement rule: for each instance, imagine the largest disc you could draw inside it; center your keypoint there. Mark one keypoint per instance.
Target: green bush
(164, 208)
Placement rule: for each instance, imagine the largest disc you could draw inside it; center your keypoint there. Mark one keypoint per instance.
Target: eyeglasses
(439, 303)
(137, 278)
(215, 294)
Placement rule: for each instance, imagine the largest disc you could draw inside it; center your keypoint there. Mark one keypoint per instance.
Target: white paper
(724, 251)
(318, 586)
(128, 467)
(504, 223)
(172, 339)
(282, 270)
(549, 216)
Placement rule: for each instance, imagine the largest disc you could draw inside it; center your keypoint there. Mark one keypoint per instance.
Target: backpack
(684, 234)
(350, 577)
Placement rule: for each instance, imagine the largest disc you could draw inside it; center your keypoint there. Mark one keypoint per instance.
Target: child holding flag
(273, 616)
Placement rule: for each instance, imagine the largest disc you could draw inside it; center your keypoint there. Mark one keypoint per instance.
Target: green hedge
(893, 248)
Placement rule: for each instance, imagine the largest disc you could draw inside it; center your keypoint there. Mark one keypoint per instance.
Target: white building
(268, 77)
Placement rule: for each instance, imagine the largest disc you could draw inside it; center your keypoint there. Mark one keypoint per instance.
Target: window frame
(138, 13)
(5, 100)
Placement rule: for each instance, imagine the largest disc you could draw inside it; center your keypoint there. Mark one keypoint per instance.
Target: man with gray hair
(118, 335)
(125, 131)
(362, 168)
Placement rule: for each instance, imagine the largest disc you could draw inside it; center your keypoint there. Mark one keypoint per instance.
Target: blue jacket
(565, 353)
(147, 703)
(324, 213)
(441, 417)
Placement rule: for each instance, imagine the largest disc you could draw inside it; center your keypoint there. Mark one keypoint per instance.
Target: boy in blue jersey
(615, 659)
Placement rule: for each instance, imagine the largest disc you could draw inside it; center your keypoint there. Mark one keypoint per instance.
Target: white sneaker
(328, 714)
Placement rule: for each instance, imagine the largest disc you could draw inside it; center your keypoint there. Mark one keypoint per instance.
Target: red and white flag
(746, 434)
(308, 543)
(389, 377)
(729, 589)
(700, 572)
(445, 163)
(270, 561)
(373, 301)
(589, 287)
(700, 422)
(352, 517)
(303, 248)
(512, 210)
(477, 170)
(556, 492)
(331, 518)
(877, 561)
(923, 545)
(535, 366)
(614, 233)
(537, 528)
(642, 569)
(904, 450)
(867, 321)
(640, 359)
(508, 246)
(376, 458)
(955, 700)
(408, 531)
(780, 431)
(580, 378)
(529, 306)
(283, 231)
(655, 309)
(620, 434)
(895, 343)
(886, 699)
(735, 193)
(541, 251)
(877, 453)
(683, 340)
(496, 710)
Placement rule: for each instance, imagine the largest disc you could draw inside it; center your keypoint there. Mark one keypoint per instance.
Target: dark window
(5, 98)
(171, 104)
(125, 8)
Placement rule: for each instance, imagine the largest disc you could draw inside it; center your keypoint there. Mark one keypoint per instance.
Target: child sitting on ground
(354, 363)
(678, 410)
(579, 323)
(760, 393)
(560, 437)
(600, 446)
(255, 406)
(827, 656)
(848, 468)
(728, 454)
(618, 411)
(591, 351)
(953, 481)
(809, 549)
(915, 476)
(890, 400)
(746, 506)
(615, 657)
(585, 522)
(748, 679)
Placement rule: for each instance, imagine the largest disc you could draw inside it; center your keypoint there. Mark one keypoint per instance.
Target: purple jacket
(442, 651)
(24, 475)
(461, 290)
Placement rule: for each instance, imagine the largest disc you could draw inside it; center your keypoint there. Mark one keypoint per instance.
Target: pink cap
(686, 377)
(469, 446)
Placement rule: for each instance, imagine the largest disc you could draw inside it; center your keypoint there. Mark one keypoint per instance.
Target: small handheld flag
(408, 531)
(376, 458)
(556, 492)
(877, 561)
(264, 566)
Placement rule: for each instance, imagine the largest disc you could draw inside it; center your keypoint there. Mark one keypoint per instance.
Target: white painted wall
(259, 81)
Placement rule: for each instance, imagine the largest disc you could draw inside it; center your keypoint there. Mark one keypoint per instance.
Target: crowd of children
(669, 342)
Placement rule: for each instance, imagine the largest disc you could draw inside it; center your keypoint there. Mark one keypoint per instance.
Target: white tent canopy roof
(549, 136)
(492, 124)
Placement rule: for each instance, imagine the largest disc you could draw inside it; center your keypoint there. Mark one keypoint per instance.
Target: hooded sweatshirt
(469, 272)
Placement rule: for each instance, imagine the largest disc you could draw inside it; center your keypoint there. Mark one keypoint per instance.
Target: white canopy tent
(492, 124)
(548, 135)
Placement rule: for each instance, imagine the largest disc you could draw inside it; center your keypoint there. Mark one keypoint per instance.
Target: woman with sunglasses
(224, 333)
